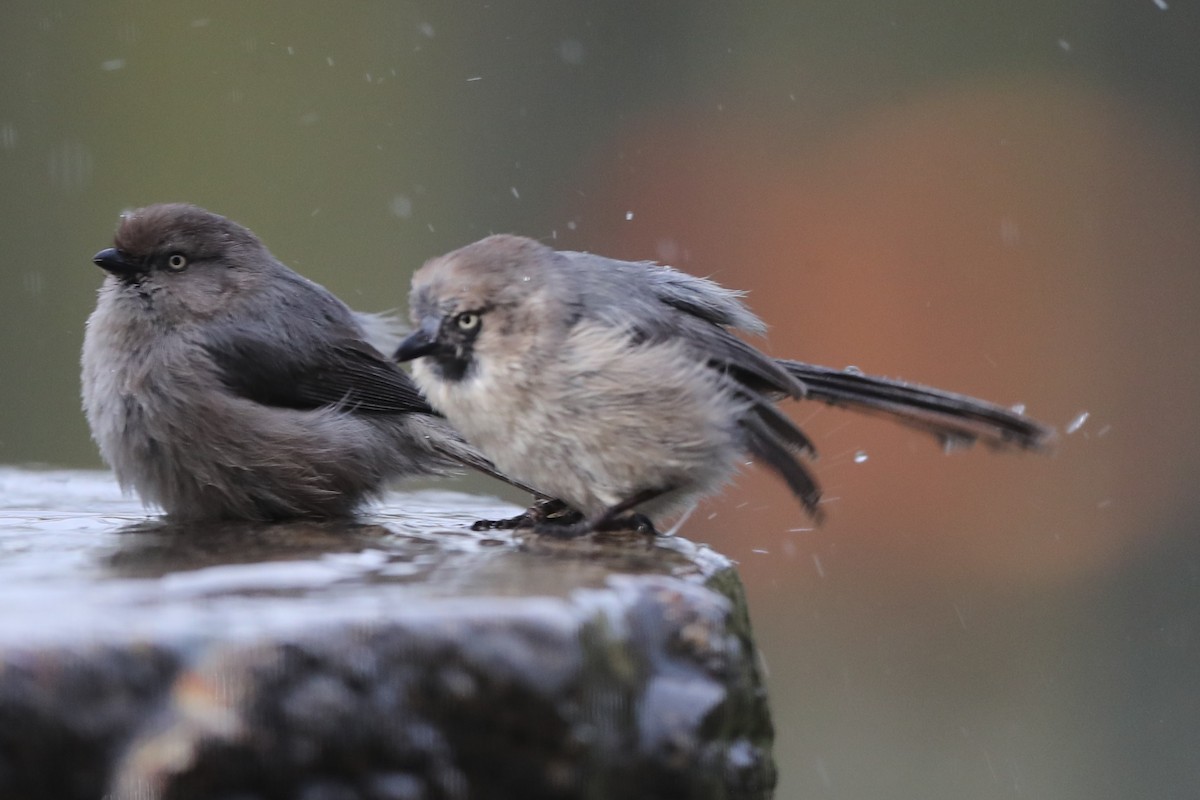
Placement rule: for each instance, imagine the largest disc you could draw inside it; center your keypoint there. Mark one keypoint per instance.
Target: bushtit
(218, 383)
(620, 387)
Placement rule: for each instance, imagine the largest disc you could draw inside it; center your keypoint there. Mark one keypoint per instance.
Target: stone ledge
(403, 657)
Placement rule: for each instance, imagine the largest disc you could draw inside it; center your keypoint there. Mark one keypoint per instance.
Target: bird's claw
(531, 517)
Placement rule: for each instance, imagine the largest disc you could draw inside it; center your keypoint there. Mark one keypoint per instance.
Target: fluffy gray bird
(621, 388)
(218, 383)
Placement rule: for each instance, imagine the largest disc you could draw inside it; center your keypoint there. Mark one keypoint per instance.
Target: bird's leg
(610, 519)
(535, 515)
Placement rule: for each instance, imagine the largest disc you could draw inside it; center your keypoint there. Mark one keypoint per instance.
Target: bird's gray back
(645, 292)
(661, 304)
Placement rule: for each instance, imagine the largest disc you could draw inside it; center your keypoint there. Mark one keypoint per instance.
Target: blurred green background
(998, 198)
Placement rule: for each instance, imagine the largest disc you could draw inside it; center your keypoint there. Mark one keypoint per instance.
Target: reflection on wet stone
(401, 656)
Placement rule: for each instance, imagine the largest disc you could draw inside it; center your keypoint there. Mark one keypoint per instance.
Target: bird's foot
(533, 516)
(565, 528)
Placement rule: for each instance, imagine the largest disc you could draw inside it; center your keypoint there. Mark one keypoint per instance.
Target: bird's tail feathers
(956, 420)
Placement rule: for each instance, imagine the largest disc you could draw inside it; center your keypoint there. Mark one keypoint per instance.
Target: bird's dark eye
(177, 262)
(467, 321)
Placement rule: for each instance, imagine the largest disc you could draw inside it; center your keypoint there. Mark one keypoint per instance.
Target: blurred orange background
(1024, 242)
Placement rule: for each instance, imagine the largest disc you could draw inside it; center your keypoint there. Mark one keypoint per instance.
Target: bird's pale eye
(177, 262)
(467, 321)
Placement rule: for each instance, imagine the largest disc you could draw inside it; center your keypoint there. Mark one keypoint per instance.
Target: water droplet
(426, 29)
(1010, 234)
(1065, 45)
(514, 191)
(1162, 4)
(962, 618)
(329, 60)
(1077, 423)
(402, 206)
(628, 215)
(113, 64)
(1019, 408)
(571, 225)
(952, 443)
(850, 369)
(667, 250)
(8, 136)
(71, 167)
(571, 51)
(33, 283)
(860, 457)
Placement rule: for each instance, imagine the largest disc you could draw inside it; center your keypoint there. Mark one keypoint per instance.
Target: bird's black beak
(421, 342)
(116, 262)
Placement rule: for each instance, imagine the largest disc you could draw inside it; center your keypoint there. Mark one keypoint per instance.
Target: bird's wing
(335, 371)
(658, 303)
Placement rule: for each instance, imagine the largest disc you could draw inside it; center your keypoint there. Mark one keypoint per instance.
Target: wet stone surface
(402, 656)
